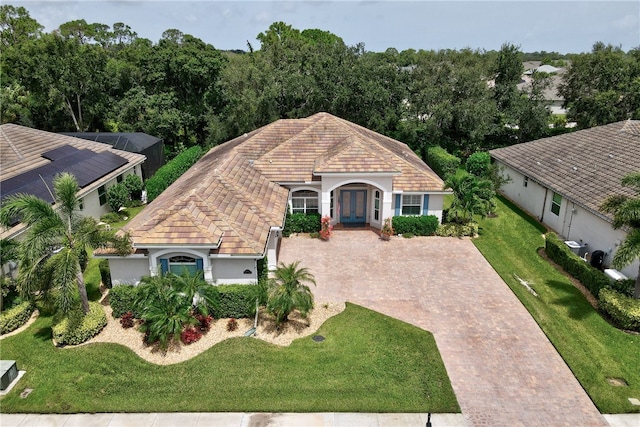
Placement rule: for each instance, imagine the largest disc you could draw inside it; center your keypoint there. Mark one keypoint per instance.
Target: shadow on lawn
(578, 306)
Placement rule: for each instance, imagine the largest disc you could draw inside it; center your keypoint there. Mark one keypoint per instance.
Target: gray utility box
(9, 372)
(577, 248)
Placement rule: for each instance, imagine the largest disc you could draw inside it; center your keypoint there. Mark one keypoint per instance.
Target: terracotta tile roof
(235, 185)
(584, 166)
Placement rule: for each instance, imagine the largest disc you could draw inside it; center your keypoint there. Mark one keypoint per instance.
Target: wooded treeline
(96, 77)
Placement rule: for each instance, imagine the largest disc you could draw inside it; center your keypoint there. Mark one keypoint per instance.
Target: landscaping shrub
(592, 278)
(301, 223)
(204, 322)
(479, 164)
(122, 299)
(76, 327)
(134, 185)
(110, 217)
(457, 230)
(170, 172)
(235, 301)
(232, 325)
(127, 320)
(625, 287)
(441, 161)
(623, 310)
(190, 335)
(117, 196)
(425, 225)
(13, 318)
(105, 273)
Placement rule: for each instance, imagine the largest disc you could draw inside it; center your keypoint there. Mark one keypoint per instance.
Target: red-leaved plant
(325, 228)
(127, 320)
(190, 335)
(204, 322)
(232, 325)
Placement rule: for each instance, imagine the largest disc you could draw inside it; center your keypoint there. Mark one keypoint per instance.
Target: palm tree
(49, 255)
(626, 214)
(287, 291)
(471, 196)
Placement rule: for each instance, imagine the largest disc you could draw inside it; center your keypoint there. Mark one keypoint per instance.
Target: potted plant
(325, 228)
(387, 229)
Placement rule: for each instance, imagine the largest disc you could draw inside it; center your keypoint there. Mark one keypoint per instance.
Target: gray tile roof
(584, 166)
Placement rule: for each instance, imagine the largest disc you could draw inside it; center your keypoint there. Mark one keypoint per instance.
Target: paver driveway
(503, 369)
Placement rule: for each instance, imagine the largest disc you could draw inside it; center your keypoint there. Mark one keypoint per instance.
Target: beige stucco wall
(228, 270)
(128, 270)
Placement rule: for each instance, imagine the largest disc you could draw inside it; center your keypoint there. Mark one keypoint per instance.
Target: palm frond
(27, 208)
(66, 193)
(629, 249)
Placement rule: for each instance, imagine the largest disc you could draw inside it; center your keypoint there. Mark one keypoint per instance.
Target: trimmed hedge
(76, 327)
(235, 301)
(624, 310)
(169, 173)
(442, 162)
(301, 223)
(122, 299)
(591, 277)
(425, 225)
(457, 230)
(105, 273)
(13, 318)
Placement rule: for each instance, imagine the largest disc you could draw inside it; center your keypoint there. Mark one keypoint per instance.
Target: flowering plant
(325, 228)
(387, 229)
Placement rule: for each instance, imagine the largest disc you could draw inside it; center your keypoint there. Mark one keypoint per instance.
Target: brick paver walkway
(503, 369)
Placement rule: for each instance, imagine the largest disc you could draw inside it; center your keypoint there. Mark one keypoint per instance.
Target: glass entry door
(353, 204)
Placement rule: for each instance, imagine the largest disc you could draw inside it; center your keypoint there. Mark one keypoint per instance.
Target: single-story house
(31, 158)
(134, 142)
(228, 211)
(563, 180)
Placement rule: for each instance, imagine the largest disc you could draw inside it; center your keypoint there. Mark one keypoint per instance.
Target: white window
(376, 206)
(182, 264)
(102, 195)
(304, 202)
(411, 204)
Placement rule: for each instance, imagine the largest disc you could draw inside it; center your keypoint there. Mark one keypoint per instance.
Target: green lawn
(368, 363)
(593, 349)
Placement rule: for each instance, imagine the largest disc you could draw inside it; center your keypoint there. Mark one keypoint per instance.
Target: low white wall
(230, 271)
(128, 270)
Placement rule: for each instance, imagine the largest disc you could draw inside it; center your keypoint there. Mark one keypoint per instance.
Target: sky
(561, 26)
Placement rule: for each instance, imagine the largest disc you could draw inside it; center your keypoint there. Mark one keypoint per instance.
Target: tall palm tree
(626, 214)
(49, 255)
(287, 291)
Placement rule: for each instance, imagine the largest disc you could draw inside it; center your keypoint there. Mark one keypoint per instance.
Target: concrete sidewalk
(239, 419)
(231, 419)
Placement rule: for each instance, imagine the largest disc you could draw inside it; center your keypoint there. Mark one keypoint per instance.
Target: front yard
(368, 363)
(593, 349)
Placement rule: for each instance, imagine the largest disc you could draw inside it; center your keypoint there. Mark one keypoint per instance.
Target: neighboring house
(564, 179)
(554, 100)
(137, 142)
(227, 211)
(31, 158)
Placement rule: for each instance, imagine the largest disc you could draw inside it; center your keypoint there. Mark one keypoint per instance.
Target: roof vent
(610, 156)
(251, 162)
(575, 168)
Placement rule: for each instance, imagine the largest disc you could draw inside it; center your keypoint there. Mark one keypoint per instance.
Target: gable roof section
(584, 166)
(297, 150)
(221, 197)
(30, 155)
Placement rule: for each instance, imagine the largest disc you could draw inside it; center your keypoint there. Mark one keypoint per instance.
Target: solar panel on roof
(60, 152)
(86, 165)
